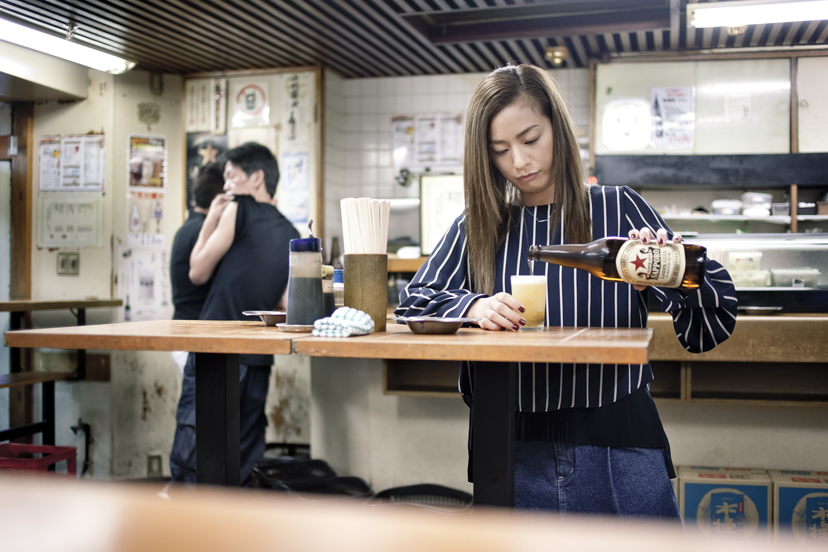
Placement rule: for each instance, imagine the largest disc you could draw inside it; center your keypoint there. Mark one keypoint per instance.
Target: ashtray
(270, 318)
(296, 328)
(434, 325)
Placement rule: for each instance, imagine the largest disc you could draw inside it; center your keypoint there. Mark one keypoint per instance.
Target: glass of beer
(531, 292)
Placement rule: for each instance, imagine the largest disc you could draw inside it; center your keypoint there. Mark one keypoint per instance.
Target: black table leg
(47, 407)
(80, 372)
(493, 434)
(217, 419)
(15, 323)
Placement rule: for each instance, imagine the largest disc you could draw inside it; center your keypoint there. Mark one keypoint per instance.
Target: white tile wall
(358, 116)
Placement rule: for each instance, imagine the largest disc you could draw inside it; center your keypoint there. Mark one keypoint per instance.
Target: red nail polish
(522, 322)
(514, 327)
(521, 309)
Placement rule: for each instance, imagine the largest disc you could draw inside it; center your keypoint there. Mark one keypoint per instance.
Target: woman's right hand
(499, 312)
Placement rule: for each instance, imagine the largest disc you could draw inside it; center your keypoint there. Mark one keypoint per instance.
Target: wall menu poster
(147, 157)
(292, 193)
(71, 163)
(70, 219)
(144, 282)
(673, 117)
(427, 141)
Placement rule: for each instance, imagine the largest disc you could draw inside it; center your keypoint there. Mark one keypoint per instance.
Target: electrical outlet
(68, 263)
(154, 466)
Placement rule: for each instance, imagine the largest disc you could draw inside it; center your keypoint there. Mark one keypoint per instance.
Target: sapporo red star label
(651, 265)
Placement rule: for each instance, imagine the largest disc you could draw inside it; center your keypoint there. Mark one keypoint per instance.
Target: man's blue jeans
(581, 479)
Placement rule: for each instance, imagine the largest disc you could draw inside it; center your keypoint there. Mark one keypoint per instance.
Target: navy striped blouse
(702, 318)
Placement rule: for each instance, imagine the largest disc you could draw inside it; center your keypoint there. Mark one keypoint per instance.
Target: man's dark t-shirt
(188, 298)
(253, 274)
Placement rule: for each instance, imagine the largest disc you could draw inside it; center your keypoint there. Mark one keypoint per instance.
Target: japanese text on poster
(144, 282)
(673, 117)
(72, 163)
(146, 218)
(430, 140)
(70, 219)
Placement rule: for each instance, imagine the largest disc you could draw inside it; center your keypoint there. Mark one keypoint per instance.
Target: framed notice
(441, 201)
(70, 219)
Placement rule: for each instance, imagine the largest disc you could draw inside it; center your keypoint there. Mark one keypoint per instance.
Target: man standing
(188, 298)
(243, 247)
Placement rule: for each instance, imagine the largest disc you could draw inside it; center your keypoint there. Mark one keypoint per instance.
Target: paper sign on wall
(673, 117)
(146, 218)
(71, 163)
(251, 103)
(144, 282)
(427, 141)
(70, 219)
(292, 192)
(147, 157)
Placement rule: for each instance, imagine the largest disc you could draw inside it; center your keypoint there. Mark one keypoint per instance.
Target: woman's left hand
(646, 236)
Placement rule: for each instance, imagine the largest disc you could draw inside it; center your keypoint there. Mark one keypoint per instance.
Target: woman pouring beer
(588, 438)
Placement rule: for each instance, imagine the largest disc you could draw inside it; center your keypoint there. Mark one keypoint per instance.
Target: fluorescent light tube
(65, 49)
(737, 13)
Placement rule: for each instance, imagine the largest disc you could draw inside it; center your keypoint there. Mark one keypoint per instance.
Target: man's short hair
(251, 157)
(209, 182)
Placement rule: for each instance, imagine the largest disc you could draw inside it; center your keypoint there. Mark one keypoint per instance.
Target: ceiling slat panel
(482, 64)
(345, 30)
(789, 36)
(377, 27)
(526, 51)
(809, 32)
(229, 36)
(342, 41)
(823, 36)
(774, 34)
(416, 36)
(120, 42)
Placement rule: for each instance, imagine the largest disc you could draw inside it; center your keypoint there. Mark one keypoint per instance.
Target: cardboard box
(800, 504)
(726, 501)
(722, 469)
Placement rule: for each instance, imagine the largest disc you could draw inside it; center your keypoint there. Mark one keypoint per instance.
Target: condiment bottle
(339, 288)
(327, 290)
(305, 303)
(623, 260)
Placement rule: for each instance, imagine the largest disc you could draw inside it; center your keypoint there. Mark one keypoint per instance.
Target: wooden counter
(592, 345)
(771, 338)
(60, 515)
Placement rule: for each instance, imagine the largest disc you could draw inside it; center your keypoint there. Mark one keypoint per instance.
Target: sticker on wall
(251, 104)
(70, 219)
(145, 212)
(144, 283)
(737, 107)
(147, 157)
(626, 124)
(673, 117)
(71, 163)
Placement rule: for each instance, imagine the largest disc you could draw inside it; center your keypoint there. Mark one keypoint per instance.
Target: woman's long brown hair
(490, 198)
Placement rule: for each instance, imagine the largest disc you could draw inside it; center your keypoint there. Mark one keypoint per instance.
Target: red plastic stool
(48, 455)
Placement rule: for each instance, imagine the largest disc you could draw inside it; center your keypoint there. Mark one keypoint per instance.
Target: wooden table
(218, 344)
(61, 515)
(18, 308)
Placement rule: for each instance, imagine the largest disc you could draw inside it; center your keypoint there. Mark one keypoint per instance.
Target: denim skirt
(584, 479)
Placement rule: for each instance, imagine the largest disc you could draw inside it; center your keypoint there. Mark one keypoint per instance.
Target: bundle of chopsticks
(365, 225)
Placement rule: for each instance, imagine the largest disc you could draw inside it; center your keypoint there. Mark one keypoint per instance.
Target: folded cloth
(344, 322)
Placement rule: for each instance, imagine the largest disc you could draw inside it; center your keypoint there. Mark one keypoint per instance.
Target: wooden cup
(366, 285)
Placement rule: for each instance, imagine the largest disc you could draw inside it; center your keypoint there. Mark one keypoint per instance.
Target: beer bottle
(623, 260)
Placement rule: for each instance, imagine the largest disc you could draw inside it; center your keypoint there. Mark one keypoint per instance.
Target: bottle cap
(306, 245)
(327, 271)
(338, 276)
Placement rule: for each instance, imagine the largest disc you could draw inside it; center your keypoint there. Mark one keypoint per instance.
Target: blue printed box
(800, 499)
(735, 503)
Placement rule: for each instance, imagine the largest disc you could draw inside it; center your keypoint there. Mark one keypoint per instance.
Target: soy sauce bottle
(623, 260)
(305, 303)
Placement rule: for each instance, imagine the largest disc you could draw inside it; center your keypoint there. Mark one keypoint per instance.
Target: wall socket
(68, 263)
(154, 466)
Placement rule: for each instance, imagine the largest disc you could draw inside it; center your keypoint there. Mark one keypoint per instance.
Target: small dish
(295, 328)
(433, 325)
(270, 318)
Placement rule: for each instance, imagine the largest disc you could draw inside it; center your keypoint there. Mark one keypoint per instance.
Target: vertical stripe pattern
(702, 318)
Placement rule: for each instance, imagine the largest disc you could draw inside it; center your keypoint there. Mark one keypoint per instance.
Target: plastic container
(305, 300)
(781, 209)
(726, 206)
(339, 288)
(46, 456)
(744, 260)
(753, 199)
(750, 278)
(795, 277)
